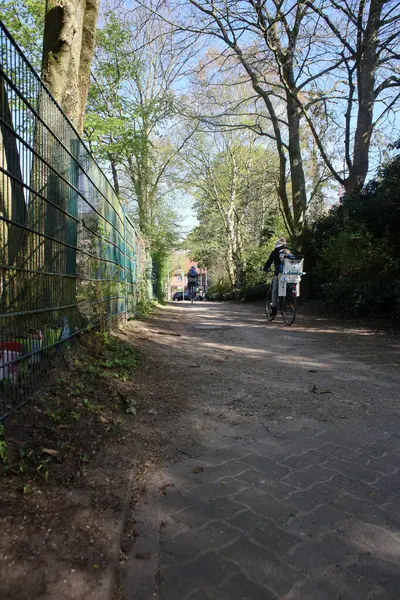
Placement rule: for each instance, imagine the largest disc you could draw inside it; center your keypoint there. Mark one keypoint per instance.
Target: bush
(362, 298)
(353, 253)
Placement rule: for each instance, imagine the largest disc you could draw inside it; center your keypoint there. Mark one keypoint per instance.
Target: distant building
(177, 281)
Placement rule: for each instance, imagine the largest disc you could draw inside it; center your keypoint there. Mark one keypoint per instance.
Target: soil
(204, 368)
(76, 460)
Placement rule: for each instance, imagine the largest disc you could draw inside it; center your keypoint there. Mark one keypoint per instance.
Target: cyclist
(276, 257)
(192, 280)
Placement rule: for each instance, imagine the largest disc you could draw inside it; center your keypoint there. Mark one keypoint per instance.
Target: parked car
(179, 296)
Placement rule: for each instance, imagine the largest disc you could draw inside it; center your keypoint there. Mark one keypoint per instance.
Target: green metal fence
(69, 255)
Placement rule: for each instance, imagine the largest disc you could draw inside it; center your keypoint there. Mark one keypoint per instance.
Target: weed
(43, 469)
(92, 408)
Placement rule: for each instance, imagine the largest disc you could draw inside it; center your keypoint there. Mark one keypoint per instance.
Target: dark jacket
(274, 258)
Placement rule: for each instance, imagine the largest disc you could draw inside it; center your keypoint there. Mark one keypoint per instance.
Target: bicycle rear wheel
(268, 306)
(288, 311)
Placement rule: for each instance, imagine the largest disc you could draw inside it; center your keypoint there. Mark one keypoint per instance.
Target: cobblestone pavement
(291, 491)
(303, 511)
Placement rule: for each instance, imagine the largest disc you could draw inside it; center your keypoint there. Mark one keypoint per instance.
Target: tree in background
(317, 65)
(25, 21)
(132, 122)
(236, 198)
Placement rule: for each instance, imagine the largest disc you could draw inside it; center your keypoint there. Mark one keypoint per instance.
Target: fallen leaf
(103, 420)
(152, 411)
(131, 410)
(49, 451)
(198, 470)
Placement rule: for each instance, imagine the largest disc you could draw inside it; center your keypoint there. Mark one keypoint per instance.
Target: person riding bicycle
(192, 279)
(276, 257)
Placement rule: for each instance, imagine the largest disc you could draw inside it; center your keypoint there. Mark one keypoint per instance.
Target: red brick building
(177, 280)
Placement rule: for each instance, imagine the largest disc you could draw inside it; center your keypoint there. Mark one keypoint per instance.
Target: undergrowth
(83, 405)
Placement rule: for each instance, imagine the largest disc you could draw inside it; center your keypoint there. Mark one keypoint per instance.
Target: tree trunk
(299, 196)
(367, 49)
(68, 47)
(12, 205)
(114, 174)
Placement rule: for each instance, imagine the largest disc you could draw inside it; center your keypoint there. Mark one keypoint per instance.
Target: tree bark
(367, 62)
(68, 47)
(12, 204)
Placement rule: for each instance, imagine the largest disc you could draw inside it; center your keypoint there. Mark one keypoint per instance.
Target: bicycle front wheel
(288, 311)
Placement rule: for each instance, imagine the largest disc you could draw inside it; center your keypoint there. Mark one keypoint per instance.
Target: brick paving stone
(267, 466)
(365, 511)
(263, 484)
(306, 500)
(312, 556)
(320, 520)
(264, 531)
(306, 477)
(223, 455)
(260, 564)
(205, 573)
(240, 588)
(385, 573)
(222, 508)
(360, 458)
(390, 483)
(340, 441)
(375, 540)
(209, 492)
(386, 463)
(275, 452)
(174, 501)
(352, 470)
(305, 459)
(186, 546)
(312, 514)
(170, 528)
(393, 507)
(266, 505)
(373, 451)
(339, 584)
(355, 487)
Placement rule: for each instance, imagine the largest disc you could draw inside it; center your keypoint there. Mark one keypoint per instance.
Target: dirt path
(285, 450)
(242, 369)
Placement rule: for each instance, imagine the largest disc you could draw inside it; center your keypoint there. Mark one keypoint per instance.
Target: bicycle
(192, 294)
(288, 282)
(286, 306)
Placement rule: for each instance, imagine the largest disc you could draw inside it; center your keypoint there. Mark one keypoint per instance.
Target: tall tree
(295, 56)
(234, 191)
(132, 123)
(68, 46)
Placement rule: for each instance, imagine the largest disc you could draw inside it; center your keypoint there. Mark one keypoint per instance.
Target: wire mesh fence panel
(69, 255)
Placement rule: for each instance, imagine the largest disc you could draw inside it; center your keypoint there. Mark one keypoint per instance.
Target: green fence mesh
(69, 255)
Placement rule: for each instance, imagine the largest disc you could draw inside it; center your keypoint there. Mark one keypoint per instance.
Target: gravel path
(286, 479)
